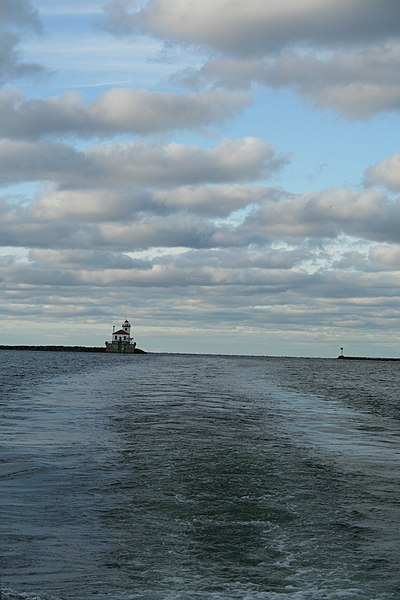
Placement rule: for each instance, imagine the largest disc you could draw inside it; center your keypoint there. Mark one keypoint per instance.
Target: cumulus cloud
(26, 161)
(367, 215)
(97, 205)
(137, 163)
(257, 27)
(171, 164)
(179, 230)
(89, 205)
(386, 256)
(85, 259)
(357, 82)
(386, 173)
(214, 201)
(116, 111)
(241, 289)
(74, 219)
(340, 54)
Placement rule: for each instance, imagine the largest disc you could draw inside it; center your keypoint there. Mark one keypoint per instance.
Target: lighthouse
(121, 340)
(123, 334)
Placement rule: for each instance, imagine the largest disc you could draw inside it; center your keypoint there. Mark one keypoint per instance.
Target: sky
(224, 174)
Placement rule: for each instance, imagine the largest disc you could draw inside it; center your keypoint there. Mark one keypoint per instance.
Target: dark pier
(342, 357)
(64, 349)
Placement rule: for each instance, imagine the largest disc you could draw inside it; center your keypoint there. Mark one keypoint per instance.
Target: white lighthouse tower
(126, 326)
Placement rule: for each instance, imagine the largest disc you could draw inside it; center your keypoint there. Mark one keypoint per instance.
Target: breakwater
(365, 358)
(64, 349)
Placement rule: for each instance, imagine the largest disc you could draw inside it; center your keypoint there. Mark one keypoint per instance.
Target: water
(176, 477)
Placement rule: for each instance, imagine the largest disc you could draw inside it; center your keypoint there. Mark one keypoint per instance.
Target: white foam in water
(8, 594)
(359, 440)
(366, 447)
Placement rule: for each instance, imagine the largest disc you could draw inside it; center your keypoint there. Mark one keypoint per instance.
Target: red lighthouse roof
(120, 332)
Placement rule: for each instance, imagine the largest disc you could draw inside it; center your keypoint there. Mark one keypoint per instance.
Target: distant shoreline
(365, 358)
(67, 349)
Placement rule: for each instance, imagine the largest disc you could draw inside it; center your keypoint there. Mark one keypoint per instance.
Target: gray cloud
(298, 230)
(85, 259)
(20, 13)
(357, 83)
(26, 161)
(386, 173)
(23, 227)
(90, 205)
(259, 27)
(171, 164)
(386, 256)
(245, 292)
(14, 15)
(118, 18)
(137, 163)
(116, 111)
(339, 54)
(367, 215)
(97, 205)
(11, 67)
(261, 284)
(214, 201)
(152, 231)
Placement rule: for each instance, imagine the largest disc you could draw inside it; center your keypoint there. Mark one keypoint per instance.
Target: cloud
(224, 285)
(97, 205)
(386, 256)
(116, 111)
(357, 82)
(245, 258)
(340, 54)
(44, 161)
(19, 13)
(328, 214)
(137, 163)
(179, 230)
(33, 227)
(386, 173)
(11, 67)
(305, 230)
(16, 15)
(85, 259)
(171, 164)
(19, 229)
(22, 227)
(89, 205)
(214, 201)
(258, 27)
(118, 18)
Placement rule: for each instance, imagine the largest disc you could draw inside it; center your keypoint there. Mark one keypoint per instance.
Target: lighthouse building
(121, 340)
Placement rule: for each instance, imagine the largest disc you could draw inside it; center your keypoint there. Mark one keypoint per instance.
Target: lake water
(166, 477)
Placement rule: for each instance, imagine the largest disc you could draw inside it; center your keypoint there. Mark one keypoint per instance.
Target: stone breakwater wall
(64, 349)
(364, 358)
